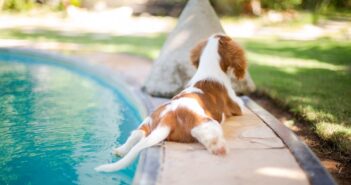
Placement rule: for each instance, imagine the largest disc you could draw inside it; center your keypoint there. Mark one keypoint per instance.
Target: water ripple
(56, 126)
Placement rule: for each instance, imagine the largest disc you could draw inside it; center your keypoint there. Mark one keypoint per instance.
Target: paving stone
(259, 132)
(257, 156)
(240, 166)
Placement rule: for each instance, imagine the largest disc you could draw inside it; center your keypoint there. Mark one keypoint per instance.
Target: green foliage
(18, 5)
(76, 3)
(24, 5)
(229, 7)
(236, 7)
(281, 4)
(330, 4)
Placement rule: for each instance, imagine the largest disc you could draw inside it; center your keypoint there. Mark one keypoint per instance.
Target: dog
(196, 112)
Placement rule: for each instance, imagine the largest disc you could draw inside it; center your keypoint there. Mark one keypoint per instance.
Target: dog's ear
(232, 56)
(195, 53)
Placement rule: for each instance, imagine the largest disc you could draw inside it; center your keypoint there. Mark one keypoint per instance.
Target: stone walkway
(257, 155)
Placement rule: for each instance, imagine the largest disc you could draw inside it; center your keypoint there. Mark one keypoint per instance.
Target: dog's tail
(156, 136)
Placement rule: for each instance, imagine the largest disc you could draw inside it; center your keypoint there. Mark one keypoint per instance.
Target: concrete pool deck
(257, 154)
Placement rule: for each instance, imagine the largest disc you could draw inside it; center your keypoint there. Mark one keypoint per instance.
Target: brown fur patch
(181, 121)
(155, 120)
(215, 100)
(195, 53)
(232, 56)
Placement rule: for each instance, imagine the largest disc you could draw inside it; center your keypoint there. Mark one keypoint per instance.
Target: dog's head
(232, 56)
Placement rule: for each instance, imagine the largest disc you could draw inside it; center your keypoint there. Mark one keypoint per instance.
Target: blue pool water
(57, 124)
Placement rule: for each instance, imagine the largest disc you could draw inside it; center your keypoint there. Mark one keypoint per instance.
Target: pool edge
(306, 159)
(149, 162)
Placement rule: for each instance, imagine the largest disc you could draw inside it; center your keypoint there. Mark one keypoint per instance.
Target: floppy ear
(195, 53)
(232, 56)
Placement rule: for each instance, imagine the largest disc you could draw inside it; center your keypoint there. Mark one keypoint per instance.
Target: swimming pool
(58, 122)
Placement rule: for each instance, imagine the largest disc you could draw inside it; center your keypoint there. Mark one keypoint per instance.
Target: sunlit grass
(312, 78)
(296, 20)
(287, 63)
(146, 46)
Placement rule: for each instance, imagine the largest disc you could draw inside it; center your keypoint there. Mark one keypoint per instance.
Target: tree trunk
(172, 70)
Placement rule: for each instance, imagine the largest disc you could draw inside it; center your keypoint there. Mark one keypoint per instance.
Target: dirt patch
(338, 164)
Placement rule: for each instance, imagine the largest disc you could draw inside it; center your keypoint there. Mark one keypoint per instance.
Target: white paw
(119, 151)
(218, 147)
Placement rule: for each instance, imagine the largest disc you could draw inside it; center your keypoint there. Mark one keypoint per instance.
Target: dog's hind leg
(132, 140)
(156, 136)
(210, 134)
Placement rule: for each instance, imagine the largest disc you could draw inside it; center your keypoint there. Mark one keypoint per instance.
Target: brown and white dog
(195, 113)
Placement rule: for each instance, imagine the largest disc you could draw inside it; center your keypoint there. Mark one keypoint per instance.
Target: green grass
(301, 18)
(311, 78)
(146, 46)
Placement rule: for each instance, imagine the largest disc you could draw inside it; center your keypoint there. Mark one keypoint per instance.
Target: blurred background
(299, 52)
(174, 7)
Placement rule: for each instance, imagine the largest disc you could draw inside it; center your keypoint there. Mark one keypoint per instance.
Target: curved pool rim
(149, 161)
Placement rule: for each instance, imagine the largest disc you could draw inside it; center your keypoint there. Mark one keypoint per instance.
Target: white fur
(192, 89)
(209, 69)
(133, 139)
(189, 103)
(156, 136)
(147, 120)
(223, 118)
(210, 134)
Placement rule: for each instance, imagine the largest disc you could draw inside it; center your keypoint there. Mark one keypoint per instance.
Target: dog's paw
(218, 147)
(119, 151)
(220, 151)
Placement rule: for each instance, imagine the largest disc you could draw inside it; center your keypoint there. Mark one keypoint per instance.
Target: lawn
(145, 46)
(311, 78)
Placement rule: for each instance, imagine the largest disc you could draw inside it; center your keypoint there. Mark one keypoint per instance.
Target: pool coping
(149, 164)
(307, 160)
